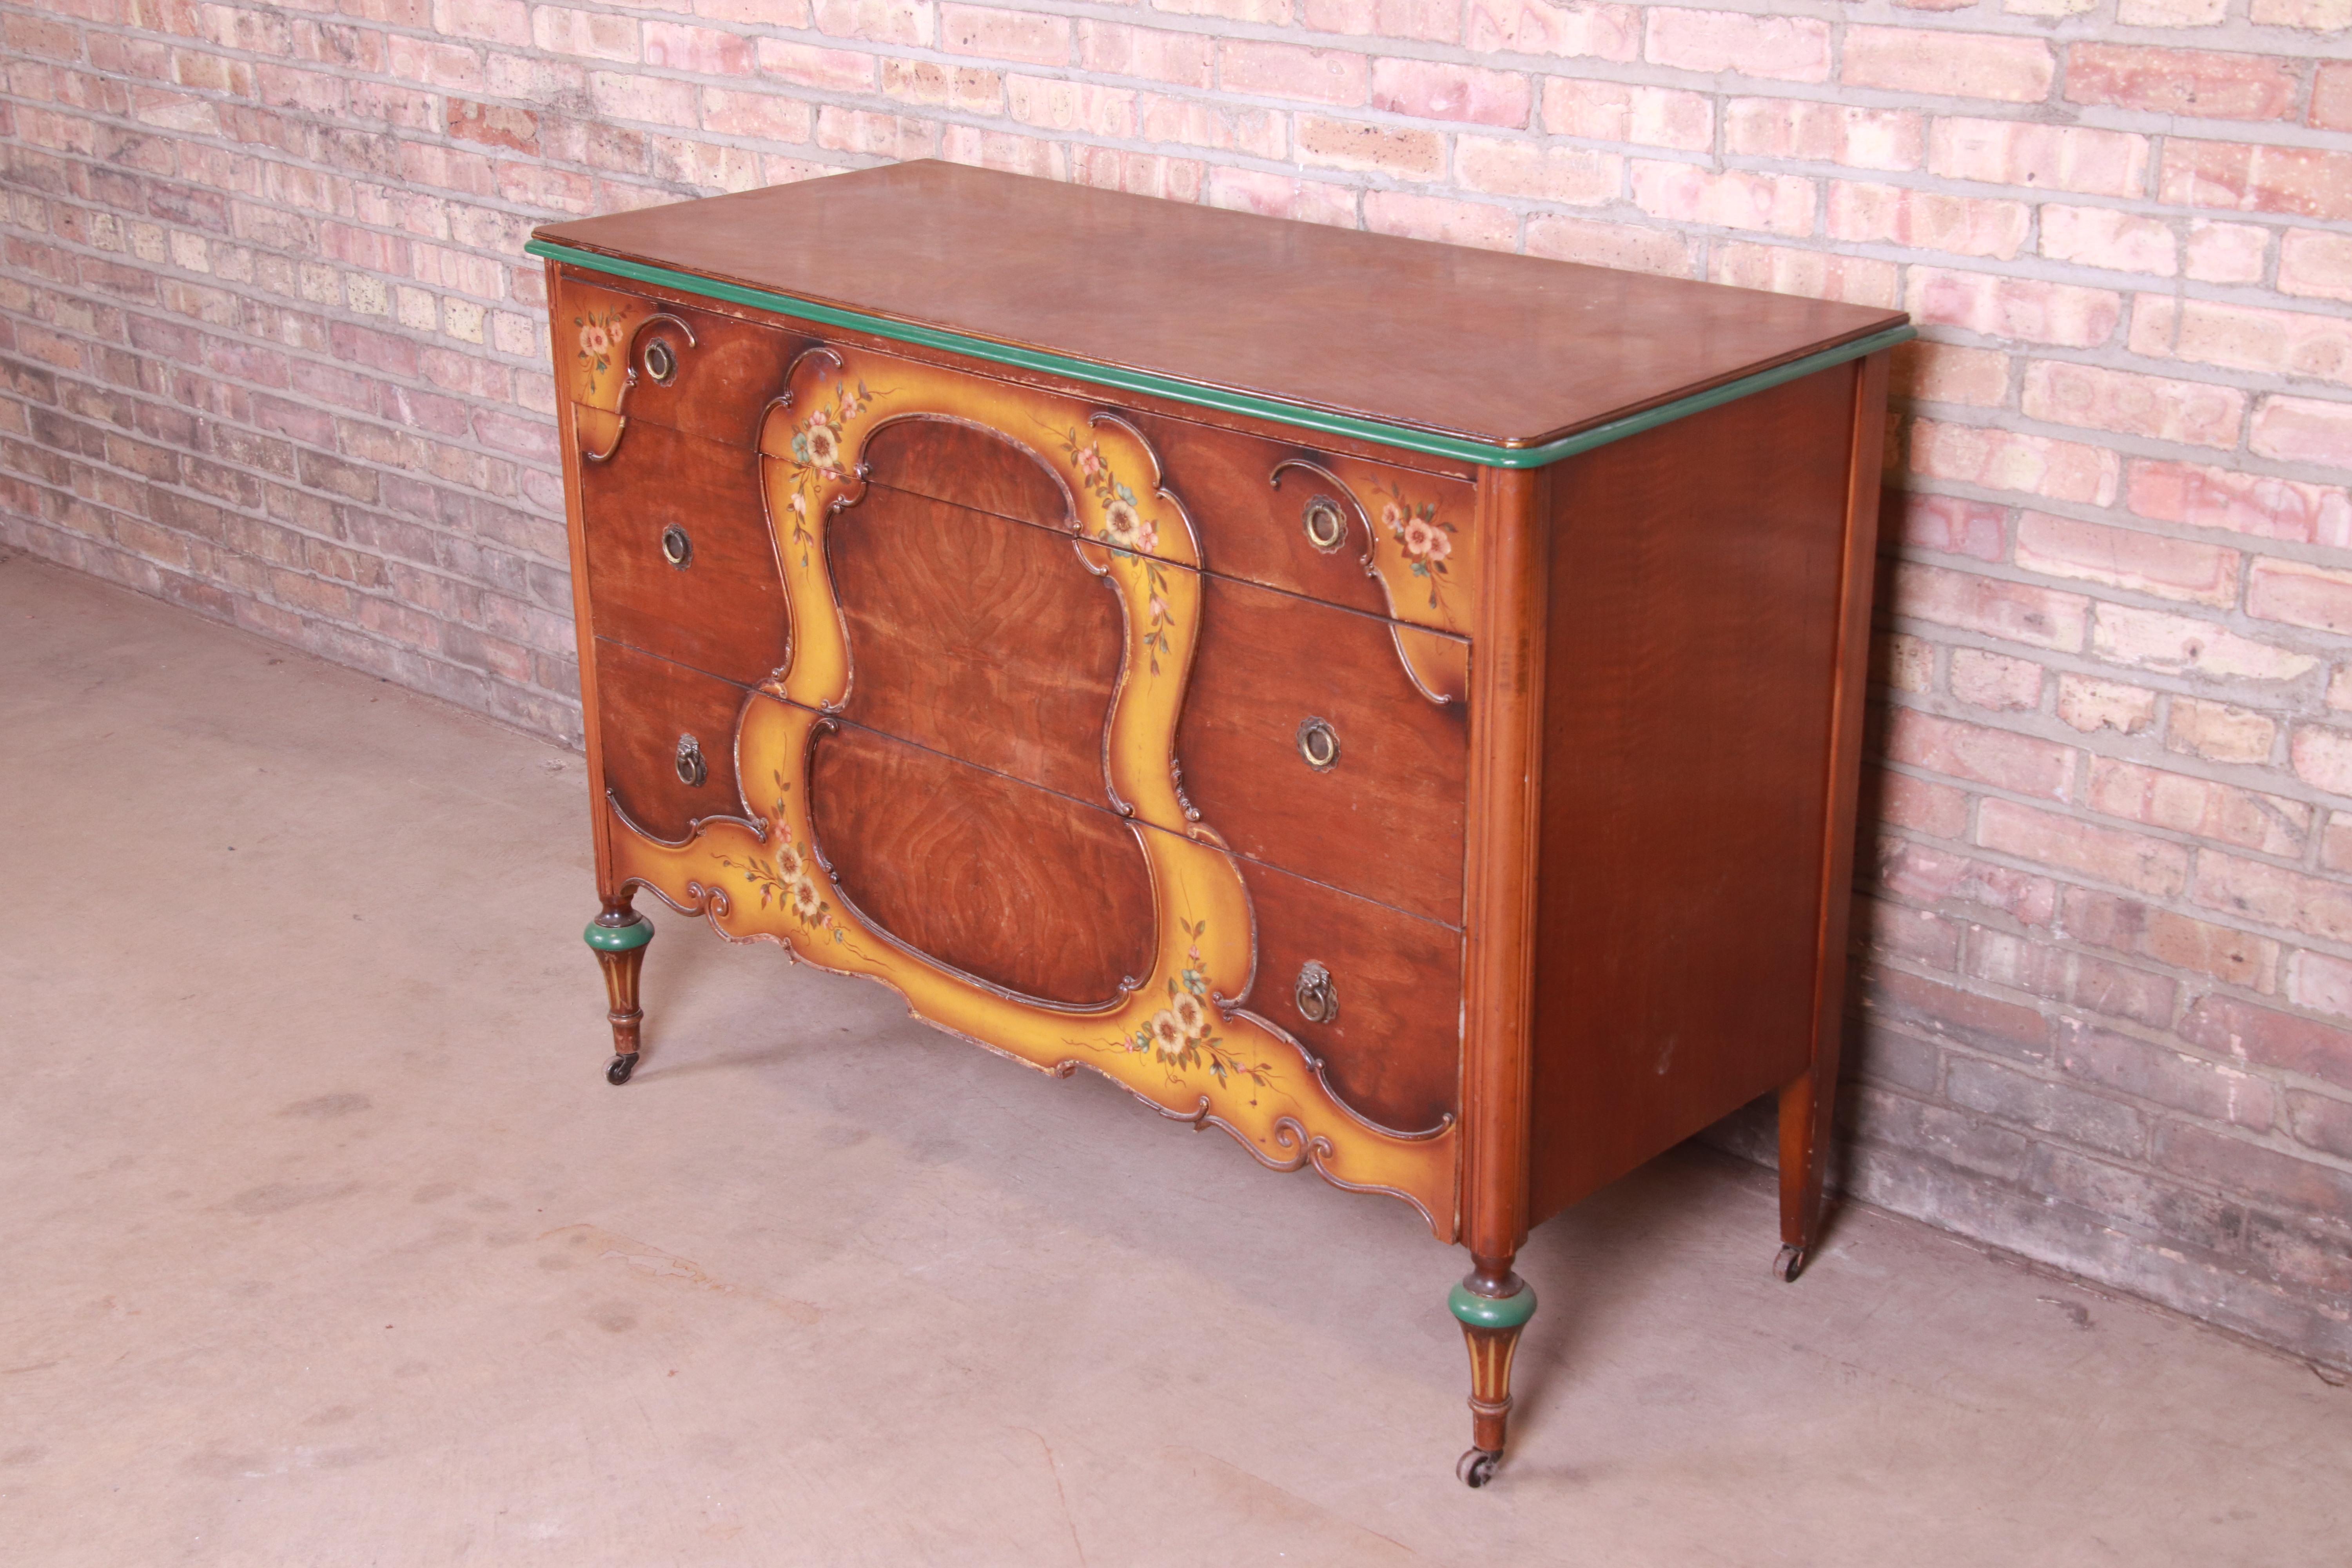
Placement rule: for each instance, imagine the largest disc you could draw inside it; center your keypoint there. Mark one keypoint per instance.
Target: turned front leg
(1493, 1305)
(618, 938)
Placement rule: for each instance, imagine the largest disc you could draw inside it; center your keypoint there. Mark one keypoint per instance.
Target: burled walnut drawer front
(696, 371)
(990, 640)
(667, 735)
(1049, 897)
(679, 560)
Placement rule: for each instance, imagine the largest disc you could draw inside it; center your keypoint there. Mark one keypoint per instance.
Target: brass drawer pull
(1318, 743)
(677, 547)
(661, 362)
(1326, 524)
(1318, 998)
(690, 769)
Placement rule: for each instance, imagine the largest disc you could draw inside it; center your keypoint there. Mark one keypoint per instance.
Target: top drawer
(696, 371)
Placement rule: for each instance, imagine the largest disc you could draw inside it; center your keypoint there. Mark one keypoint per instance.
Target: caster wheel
(1476, 1467)
(1789, 1264)
(619, 1073)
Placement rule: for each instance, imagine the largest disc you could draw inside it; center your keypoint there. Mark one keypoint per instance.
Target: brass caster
(623, 1066)
(1476, 1467)
(1790, 1263)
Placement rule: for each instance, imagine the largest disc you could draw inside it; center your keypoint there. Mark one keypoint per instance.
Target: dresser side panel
(1694, 604)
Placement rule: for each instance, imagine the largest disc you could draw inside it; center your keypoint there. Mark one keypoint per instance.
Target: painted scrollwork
(1411, 550)
(1176, 1039)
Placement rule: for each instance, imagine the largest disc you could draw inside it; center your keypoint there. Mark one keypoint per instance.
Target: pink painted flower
(824, 446)
(1090, 462)
(790, 864)
(805, 902)
(594, 340)
(1440, 545)
(1392, 517)
(1416, 538)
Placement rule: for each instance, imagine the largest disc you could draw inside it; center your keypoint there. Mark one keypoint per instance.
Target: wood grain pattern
(1392, 1053)
(724, 612)
(1386, 821)
(976, 636)
(1494, 347)
(969, 467)
(1686, 769)
(644, 705)
(1028, 891)
(726, 367)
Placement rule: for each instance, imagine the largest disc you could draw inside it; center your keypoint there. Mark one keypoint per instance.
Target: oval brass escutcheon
(1326, 524)
(677, 547)
(661, 362)
(1317, 996)
(1318, 743)
(690, 769)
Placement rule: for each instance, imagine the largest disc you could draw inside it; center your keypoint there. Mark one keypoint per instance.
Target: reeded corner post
(618, 938)
(1490, 1326)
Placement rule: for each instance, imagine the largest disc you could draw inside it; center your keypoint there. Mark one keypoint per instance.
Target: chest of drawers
(1394, 703)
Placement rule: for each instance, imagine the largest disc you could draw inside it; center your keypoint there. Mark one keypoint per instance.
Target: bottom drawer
(667, 738)
(1049, 897)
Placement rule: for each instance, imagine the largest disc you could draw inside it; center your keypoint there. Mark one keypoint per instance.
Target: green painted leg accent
(619, 939)
(1478, 1312)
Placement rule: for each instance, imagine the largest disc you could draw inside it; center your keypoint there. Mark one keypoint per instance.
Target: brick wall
(272, 353)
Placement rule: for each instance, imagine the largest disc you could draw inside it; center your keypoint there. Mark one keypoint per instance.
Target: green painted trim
(619, 939)
(1429, 442)
(1478, 1312)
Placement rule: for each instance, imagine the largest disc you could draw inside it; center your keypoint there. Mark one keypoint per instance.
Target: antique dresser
(1396, 703)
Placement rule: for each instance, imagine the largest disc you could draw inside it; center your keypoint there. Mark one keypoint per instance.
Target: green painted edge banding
(620, 939)
(1424, 441)
(1492, 1312)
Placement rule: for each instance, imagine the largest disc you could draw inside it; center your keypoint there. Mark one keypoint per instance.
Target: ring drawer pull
(677, 547)
(661, 362)
(1318, 743)
(690, 769)
(1318, 998)
(1326, 524)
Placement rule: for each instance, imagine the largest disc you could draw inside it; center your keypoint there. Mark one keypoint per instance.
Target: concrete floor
(327, 1243)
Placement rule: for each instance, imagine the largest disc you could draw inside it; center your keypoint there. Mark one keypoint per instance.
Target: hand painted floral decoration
(817, 455)
(1182, 1036)
(1125, 530)
(599, 342)
(1425, 539)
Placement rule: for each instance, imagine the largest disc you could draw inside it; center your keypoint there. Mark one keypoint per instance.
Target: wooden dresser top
(1504, 350)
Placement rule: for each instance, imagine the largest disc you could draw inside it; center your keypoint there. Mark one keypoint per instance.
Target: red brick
(971, 89)
(1626, 246)
(2130, 405)
(704, 50)
(1570, 175)
(2321, 983)
(1791, 48)
(876, 21)
(2227, 252)
(1200, 122)
(2331, 96)
(1947, 373)
(1431, 89)
(1396, 150)
(2126, 925)
(1683, 193)
(2242, 337)
(2127, 558)
(1948, 64)
(1285, 71)
(2303, 182)
(2302, 430)
(2077, 980)
(1901, 801)
(1995, 681)
(1572, 28)
(1919, 936)
(2000, 459)
(1083, 108)
(2269, 1039)
(2198, 83)
(2323, 757)
(2152, 867)
(807, 65)
(1615, 111)
(2321, 1124)
(493, 21)
(2300, 594)
(1926, 220)
(1431, 21)
(2015, 611)
(2169, 1076)
(2201, 807)
(2181, 645)
(2219, 732)
(1945, 1012)
(1004, 35)
(1278, 195)
(1951, 526)
(2315, 265)
(1438, 218)
(2091, 705)
(2275, 896)
(2015, 308)
(1185, 59)
(1816, 274)
(1972, 752)
(2104, 236)
(2044, 157)
(768, 116)
(2205, 497)
(1861, 138)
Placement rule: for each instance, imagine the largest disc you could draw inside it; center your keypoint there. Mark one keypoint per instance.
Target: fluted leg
(618, 938)
(1493, 1305)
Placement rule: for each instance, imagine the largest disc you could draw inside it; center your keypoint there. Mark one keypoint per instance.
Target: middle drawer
(1303, 743)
